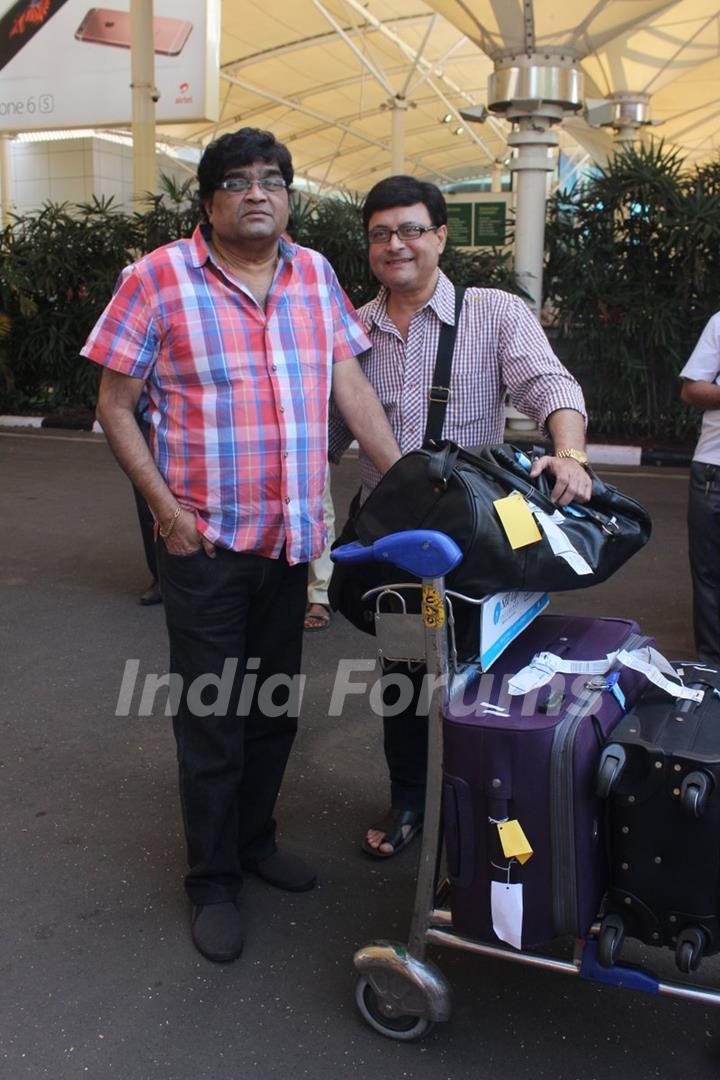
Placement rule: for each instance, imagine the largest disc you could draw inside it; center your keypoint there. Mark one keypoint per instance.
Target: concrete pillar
(5, 177)
(533, 140)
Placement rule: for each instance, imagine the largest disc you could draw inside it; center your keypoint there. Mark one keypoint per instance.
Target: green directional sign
(489, 224)
(460, 223)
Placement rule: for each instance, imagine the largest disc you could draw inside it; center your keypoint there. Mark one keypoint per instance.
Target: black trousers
(405, 741)
(233, 735)
(704, 549)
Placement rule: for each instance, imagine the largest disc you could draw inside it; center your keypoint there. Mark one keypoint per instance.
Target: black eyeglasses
(382, 235)
(240, 185)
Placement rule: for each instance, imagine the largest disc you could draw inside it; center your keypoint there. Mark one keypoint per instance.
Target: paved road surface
(99, 978)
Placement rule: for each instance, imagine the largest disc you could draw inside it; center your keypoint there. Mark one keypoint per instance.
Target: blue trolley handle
(422, 552)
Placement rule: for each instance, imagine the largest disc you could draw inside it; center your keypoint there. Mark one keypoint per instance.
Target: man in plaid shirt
(237, 337)
(500, 347)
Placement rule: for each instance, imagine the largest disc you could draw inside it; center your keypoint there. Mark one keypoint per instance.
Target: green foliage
(633, 256)
(58, 267)
(334, 227)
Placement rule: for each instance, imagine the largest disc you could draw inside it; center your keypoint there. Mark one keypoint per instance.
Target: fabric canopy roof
(356, 86)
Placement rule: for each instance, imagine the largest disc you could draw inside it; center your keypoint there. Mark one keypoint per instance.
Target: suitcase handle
(459, 829)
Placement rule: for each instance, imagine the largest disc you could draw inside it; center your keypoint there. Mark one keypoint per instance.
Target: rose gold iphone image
(103, 26)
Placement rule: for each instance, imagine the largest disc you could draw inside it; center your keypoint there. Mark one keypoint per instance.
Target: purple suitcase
(536, 765)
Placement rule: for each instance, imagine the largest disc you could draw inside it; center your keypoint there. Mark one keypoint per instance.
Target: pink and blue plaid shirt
(237, 396)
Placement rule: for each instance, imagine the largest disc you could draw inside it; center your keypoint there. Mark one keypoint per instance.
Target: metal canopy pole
(397, 150)
(144, 96)
(534, 91)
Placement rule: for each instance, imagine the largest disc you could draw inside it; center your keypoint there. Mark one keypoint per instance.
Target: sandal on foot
(317, 620)
(393, 825)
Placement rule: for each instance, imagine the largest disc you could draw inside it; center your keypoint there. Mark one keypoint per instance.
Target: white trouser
(321, 568)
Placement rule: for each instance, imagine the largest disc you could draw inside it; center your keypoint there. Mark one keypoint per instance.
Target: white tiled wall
(73, 170)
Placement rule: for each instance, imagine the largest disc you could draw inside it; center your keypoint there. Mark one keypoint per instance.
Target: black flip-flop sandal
(322, 619)
(392, 826)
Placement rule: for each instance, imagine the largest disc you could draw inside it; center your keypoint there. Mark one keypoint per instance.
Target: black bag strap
(439, 392)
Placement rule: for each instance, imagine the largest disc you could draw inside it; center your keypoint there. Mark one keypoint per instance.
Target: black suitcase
(661, 777)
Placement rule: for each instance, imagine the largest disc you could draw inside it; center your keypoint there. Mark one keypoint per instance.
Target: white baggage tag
(651, 669)
(559, 542)
(544, 665)
(537, 673)
(506, 905)
(658, 660)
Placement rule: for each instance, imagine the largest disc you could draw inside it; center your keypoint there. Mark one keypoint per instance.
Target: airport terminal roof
(335, 78)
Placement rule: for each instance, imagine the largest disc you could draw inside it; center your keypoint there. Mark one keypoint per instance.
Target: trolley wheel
(611, 766)
(402, 1028)
(690, 948)
(694, 793)
(612, 934)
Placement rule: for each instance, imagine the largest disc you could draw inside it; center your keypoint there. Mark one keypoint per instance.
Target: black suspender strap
(439, 392)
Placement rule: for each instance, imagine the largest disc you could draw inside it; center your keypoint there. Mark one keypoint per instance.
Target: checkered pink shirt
(500, 347)
(237, 394)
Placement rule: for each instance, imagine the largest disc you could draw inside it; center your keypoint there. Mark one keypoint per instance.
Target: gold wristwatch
(577, 455)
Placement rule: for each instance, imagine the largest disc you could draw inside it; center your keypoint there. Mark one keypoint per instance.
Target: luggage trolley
(399, 991)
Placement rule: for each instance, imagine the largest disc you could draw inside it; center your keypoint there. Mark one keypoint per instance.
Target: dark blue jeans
(704, 548)
(233, 736)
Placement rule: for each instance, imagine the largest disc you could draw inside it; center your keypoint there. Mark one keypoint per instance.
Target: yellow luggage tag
(514, 841)
(517, 520)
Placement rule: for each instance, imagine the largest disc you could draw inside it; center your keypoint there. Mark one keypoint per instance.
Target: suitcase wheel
(694, 793)
(690, 948)
(612, 934)
(610, 769)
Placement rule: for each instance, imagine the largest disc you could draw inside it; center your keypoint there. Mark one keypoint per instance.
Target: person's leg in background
(405, 743)
(318, 615)
(704, 551)
(147, 532)
(146, 522)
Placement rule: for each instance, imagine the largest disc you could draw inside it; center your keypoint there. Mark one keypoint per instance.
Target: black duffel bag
(453, 490)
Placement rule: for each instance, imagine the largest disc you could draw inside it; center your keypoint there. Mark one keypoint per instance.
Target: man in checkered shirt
(500, 347)
(237, 337)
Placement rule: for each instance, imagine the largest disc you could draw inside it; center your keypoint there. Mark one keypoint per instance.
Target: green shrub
(333, 225)
(58, 267)
(633, 256)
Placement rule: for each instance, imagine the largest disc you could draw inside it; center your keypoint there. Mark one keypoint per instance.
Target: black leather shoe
(152, 595)
(284, 872)
(218, 931)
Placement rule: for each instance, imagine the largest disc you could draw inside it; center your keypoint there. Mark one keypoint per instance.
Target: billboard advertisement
(65, 64)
